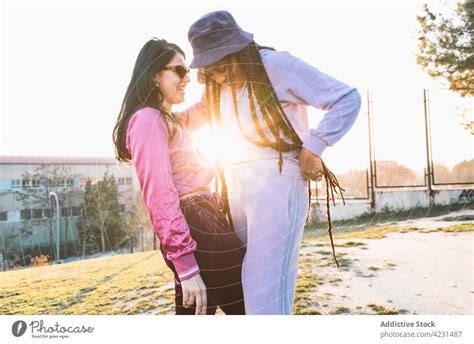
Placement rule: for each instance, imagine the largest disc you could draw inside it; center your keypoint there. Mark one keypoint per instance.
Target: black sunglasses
(179, 70)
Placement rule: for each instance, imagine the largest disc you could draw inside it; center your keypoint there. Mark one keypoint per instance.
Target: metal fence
(431, 111)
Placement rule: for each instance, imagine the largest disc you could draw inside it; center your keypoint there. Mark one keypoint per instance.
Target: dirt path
(418, 272)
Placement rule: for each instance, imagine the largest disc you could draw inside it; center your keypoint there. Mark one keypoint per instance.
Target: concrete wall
(392, 200)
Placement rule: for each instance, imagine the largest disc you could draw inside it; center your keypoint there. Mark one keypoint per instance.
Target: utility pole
(57, 223)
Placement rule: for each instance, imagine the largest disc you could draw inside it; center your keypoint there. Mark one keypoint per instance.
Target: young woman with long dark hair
(197, 242)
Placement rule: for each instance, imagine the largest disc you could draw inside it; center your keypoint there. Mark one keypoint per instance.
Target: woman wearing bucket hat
(258, 97)
(196, 240)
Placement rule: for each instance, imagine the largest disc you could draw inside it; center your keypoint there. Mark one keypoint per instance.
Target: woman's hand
(194, 291)
(310, 164)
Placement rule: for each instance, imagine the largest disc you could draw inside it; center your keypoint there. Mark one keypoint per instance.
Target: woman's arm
(147, 142)
(307, 85)
(195, 116)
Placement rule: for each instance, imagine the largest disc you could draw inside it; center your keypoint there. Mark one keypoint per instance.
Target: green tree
(446, 46)
(100, 226)
(137, 221)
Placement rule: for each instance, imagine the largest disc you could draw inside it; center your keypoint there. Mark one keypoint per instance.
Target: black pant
(219, 255)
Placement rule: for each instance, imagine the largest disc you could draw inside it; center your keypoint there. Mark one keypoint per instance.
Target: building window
(76, 211)
(71, 211)
(93, 181)
(25, 183)
(25, 214)
(16, 183)
(35, 183)
(121, 181)
(65, 212)
(122, 208)
(65, 182)
(37, 213)
(3, 216)
(128, 181)
(47, 212)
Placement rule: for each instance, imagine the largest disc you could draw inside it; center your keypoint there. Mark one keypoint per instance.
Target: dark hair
(143, 92)
(260, 87)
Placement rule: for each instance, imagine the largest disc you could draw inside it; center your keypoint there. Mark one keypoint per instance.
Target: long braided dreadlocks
(260, 88)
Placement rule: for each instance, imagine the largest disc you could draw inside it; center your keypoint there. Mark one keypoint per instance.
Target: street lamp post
(57, 223)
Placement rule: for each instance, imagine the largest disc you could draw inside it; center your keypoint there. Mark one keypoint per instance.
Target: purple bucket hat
(215, 36)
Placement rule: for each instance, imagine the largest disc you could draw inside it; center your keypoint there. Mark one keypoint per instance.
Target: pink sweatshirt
(167, 170)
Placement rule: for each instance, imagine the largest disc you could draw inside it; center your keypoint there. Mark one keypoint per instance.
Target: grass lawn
(126, 284)
(141, 283)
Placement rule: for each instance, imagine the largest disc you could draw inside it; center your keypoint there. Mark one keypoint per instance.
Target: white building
(28, 175)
